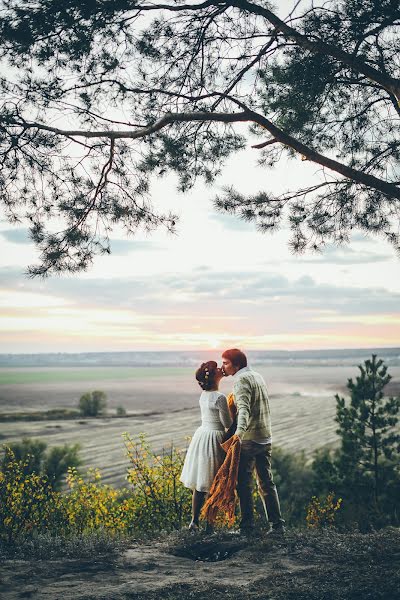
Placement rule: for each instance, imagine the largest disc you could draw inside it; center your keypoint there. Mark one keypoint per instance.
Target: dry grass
(304, 565)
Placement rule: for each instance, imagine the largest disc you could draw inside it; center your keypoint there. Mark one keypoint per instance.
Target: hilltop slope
(303, 565)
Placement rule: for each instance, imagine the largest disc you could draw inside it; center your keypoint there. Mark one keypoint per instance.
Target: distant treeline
(193, 358)
(91, 404)
(41, 415)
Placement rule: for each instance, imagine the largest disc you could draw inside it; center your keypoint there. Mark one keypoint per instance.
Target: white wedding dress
(205, 455)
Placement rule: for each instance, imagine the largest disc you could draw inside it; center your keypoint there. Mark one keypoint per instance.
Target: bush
(322, 512)
(28, 502)
(157, 501)
(121, 411)
(364, 470)
(57, 462)
(91, 505)
(35, 458)
(161, 500)
(93, 403)
(294, 480)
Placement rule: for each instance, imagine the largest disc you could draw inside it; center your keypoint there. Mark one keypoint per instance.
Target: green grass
(98, 374)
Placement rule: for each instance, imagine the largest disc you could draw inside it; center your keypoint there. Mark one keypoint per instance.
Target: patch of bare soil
(302, 565)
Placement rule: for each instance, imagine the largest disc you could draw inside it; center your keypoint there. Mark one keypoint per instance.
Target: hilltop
(305, 565)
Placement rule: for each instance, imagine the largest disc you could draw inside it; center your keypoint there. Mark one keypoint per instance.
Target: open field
(164, 404)
(65, 375)
(155, 388)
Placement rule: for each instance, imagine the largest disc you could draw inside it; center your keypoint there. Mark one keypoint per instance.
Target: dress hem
(193, 487)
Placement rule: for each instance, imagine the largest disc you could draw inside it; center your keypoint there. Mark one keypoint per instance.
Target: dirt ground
(302, 565)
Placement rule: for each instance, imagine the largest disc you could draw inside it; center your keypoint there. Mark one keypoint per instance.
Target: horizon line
(353, 348)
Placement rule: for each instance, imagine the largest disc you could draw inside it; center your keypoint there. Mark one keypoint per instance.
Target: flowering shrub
(92, 505)
(161, 500)
(28, 501)
(157, 500)
(322, 513)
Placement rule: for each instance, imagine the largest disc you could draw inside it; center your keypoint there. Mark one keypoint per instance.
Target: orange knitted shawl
(222, 495)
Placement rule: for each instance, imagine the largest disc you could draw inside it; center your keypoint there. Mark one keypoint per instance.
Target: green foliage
(30, 452)
(92, 505)
(365, 470)
(322, 512)
(43, 415)
(121, 411)
(93, 404)
(179, 61)
(33, 457)
(293, 477)
(57, 462)
(156, 501)
(28, 501)
(161, 500)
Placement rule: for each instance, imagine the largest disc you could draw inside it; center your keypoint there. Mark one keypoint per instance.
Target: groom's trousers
(257, 456)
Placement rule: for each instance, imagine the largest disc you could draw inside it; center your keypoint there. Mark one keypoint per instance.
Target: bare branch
(265, 144)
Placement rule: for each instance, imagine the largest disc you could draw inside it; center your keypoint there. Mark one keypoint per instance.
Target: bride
(205, 455)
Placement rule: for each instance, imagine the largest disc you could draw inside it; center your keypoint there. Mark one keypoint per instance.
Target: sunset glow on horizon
(219, 283)
(58, 325)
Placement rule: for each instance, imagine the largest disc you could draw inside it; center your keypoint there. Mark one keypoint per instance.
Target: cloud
(232, 222)
(16, 236)
(121, 247)
(234, 293)
(345, 255)
(12, 276)
(363, 237)
(190, 309)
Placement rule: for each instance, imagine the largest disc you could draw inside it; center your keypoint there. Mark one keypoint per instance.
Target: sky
(217, 283)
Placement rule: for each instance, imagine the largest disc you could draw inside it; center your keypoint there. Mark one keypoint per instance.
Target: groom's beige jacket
(251, 399)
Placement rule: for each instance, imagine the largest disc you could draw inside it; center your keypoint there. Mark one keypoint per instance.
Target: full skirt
(203, 459)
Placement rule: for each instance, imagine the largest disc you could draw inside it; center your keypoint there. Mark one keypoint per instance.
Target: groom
(254, 432)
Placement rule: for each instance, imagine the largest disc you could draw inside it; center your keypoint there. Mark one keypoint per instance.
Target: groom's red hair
(237, 357)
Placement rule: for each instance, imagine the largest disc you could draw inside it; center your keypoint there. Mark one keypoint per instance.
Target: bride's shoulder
(219, 399)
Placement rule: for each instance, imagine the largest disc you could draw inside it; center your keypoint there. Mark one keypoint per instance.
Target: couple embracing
(252, 428)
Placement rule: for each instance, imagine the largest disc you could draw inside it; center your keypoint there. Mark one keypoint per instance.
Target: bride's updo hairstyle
(205, 375)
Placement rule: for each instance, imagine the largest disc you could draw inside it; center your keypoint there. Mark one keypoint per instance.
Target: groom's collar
(238, 373)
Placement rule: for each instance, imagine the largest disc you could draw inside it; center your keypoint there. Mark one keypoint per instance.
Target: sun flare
(213, 343)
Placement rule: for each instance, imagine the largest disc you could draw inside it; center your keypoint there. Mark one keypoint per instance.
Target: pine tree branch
(390, 84)
(247, 115)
